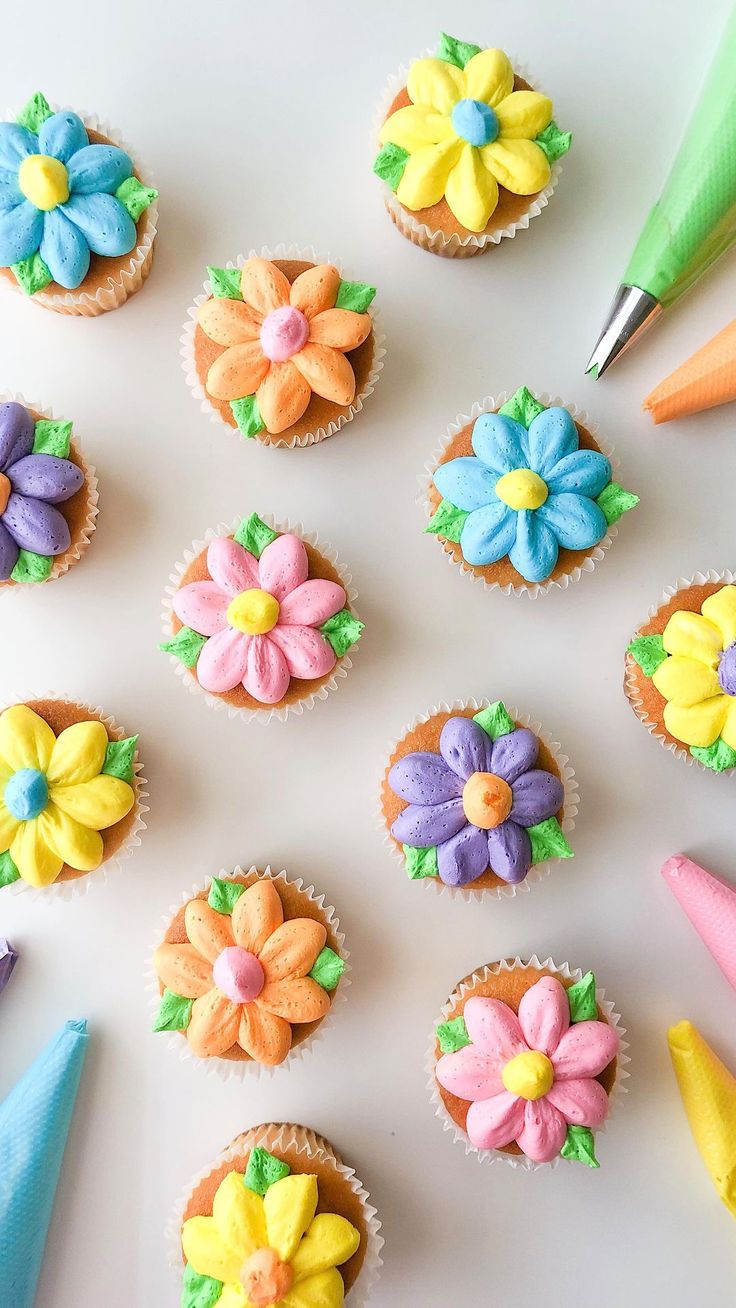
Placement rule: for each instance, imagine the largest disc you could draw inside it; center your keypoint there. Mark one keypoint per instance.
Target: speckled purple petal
(537, 795)
(514, 753)
(423, 826)
(8, 553)
(464, 857)
(17, 430)
(36, 526)
(424, 779)
(465, 747)
(45, 477)
(509, 852)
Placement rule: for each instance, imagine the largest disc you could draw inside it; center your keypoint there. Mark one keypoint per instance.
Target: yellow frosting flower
(698, 680)
(271, 1250)
(54, 800)
(467, 132)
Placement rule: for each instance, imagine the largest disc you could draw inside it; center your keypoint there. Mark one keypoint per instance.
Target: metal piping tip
(629, 316)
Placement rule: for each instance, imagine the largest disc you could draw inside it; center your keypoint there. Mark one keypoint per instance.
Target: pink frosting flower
(260, 617)
(529, 1076)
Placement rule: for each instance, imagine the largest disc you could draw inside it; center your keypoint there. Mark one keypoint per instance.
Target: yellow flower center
(487, 800)
(44, 181)
(253, 611)
(5, 489)
(265, 1279)
(522, 489)
(530, 1075)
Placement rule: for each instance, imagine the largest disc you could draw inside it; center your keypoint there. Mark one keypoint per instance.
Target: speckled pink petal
(231, 566)
(283, 566)
(543, 1133)
(581, 1101)
(493, 1123)
(544, 1014)
(266, 676)
(202, 606)
(585, 1050)
(222, 663)
(307, 653)
(494, 1028)
(469, 1075)
(313, 602)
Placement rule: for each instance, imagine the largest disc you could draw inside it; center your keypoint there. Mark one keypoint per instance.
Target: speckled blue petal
(466, 483)
(10, 192)
(488, 534)
(500, 442)
(585, 472)
(535, 550)
(98, 168)
(551, 436)
(576, 521)
(103, 221)
(21, 229)
(16, 143)
(62, 135)
(64, 250)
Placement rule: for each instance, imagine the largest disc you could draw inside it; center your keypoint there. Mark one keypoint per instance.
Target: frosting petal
(421, 827)
(78, 754)
(98, 803)
(263, 286)
(728, 730)
(552, 437)
(488, 534)
(74, 844)
(514, 754)
(10, 193)
(471, 191)
(686, 681)
(493, 1123)
(98, 168)
(315, 290)
(289, 1207)
(238, 372)
(256, 914)
(206, 1251)
(21, 231)
(694, 636)
(202, 606)
(16, 143)
(231, 566)
(699, 725)
(8, 553)
(544, 1014)
(341, 329)
(228, 322)
(415, 126)
(424, 778)
(17, 431)
(308, 655)
(537, 795)
(720, 609)
(232, 1297)
(576, 521)
(26, 740)
(64, 249)
(36, 862)
(468, 483)
(583, 1101)
(239, 1216)
(223, 662)
(292, 948)
(469, 1074)
(585, 472)
(327, 372)
(535, 550)
(207, 930)
(36, 526)
(465, 747)
(283, 566)
(329, 1241)
(521, 167)
(523, 115)
(584, 1050)
(489, 77)
(543, 1133)
(263, 1035)
(313, 602)
(296, 999)
(435, 83)
(213, 1026)
(267, 674)
(45, 477)
(8, 825)
(494, 1028)
(62, 135)
(509, 852)
(464, 857)
(103, 221)
(283, 396)
(425, 174)
(500, 442)
(182, 969)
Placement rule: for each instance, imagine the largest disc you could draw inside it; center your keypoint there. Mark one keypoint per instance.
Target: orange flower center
(265, 1279)
(5, 489)
(487, 800)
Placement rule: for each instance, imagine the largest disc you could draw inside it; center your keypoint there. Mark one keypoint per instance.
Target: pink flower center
(265, 1279)
(284, 332)
(238, 974)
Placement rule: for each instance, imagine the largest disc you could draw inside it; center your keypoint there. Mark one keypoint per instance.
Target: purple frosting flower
(433, 785)
(30, 486)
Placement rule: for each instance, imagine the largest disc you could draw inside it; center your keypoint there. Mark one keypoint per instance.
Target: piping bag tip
(631, 312)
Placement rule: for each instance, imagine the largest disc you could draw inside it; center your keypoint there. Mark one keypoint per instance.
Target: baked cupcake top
(529, 484)
(460, 131)
(63, 198)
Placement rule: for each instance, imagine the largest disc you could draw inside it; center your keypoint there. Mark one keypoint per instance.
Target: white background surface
(254, 122)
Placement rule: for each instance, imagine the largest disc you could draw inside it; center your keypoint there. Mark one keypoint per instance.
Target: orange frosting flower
(284, 342)
(247, 975)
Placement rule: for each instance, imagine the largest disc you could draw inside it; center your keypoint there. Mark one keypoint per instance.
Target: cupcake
(76, 223)
(477, 799)
(283, 349)
(681, 671)
(468, 150)
(277, 1220)
(249, 968)
(522, 495)
(260, 619)
(524, 1062)
(48, 496)
(70, 797)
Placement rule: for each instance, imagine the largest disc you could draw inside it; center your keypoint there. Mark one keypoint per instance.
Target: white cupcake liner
(188, 363)
(630, 677)
(275, 1136)
(188, 675)
(490, 404)
(483, 973)
(570, 805)
(238, 1070)
(78, 886)
(419, 233)
(63, 562)
(131, 276)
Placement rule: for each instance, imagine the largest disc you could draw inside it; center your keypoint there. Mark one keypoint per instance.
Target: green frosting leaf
(31, 567)
(174, 1012)
(454, 51)
(186, 645)
(224, 895)
(225, 283)
(523, 407)
(119, 758)
(328, 968)
(447, 521)
(548, 841)
(8, 871)
(554, 142)
(254, 535)
(614, 502)
(495, 721)
(135, 197)
(35, 112)
(264, 1170)
(421, 862)
(247, 416)
(199, 1291)
(52, 438)
(31, 274)
(355, 295)
(648, 652)
(581, 998)
(580, 1146)
(390, 163)
(342, 631)
(719, 756)
(453, 1035)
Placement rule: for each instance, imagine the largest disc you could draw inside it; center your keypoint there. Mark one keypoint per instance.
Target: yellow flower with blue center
(698, 679)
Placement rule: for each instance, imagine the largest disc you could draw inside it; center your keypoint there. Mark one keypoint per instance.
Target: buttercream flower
(698, 680)
(30, 486)
(271, 1250)
(530, 1076)
(247, 974)
(474, 801)
(260, 617)
(54, 797)
(284, 342)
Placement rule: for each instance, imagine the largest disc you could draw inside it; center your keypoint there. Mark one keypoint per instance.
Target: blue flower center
(727, 670)
(26, 794)
(475, 122)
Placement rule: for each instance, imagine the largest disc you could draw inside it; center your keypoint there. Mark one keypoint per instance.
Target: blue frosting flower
(526, 493)
(57, 198)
